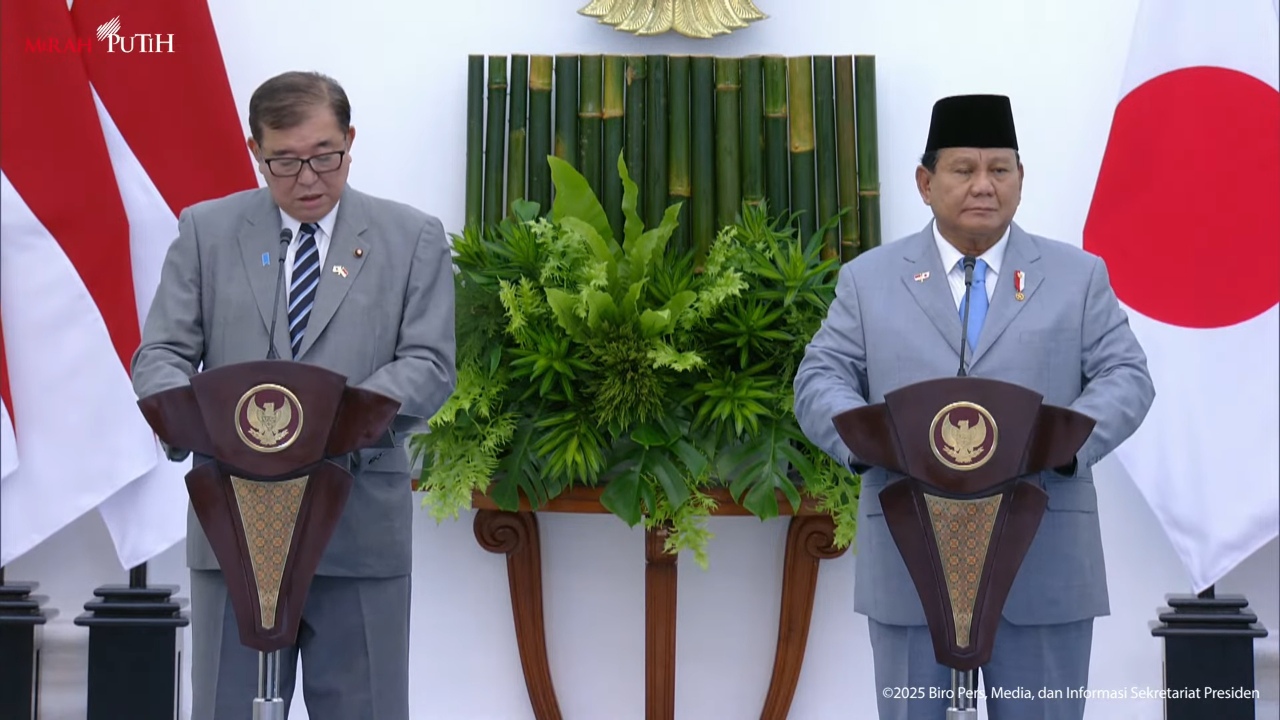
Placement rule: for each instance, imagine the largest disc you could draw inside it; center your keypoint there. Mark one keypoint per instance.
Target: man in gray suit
(1055, 326)
(368, 294)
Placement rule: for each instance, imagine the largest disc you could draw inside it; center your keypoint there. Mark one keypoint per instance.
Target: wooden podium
(269, 481)
(965, 514)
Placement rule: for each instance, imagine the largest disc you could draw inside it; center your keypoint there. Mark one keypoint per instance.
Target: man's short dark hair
(284, 101)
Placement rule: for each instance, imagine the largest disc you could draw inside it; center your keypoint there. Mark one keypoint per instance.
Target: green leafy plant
(590, 359)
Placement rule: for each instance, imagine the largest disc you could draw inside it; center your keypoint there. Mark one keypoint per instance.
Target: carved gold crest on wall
(692, 18)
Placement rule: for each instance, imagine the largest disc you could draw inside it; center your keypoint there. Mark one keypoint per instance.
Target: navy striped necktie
(302, 289)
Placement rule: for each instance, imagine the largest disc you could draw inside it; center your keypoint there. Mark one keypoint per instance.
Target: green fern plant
(588, 359)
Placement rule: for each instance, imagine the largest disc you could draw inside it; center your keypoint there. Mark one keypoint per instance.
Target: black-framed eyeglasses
(291, 167)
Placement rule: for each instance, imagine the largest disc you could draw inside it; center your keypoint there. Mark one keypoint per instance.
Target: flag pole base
(22, 624)
(135, 650)
(1208, 656)
(963, 695)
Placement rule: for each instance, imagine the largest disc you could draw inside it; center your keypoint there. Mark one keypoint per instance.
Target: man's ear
(923, 183)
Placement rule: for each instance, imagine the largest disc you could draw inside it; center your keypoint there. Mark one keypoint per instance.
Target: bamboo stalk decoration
(566, 100)
(475, 141)
(540, 131)
(678, 187)
(864, 67)
(800, 101)
(656, 182)
(795, 134)
(590, 119)
(776, 138)
(516, 158)
(691, 18)
(634, 124)
(728, 76)
(846, 158)
(615, 76)
(824, 122)
(702, 145)
(752, 131)
(495, 149)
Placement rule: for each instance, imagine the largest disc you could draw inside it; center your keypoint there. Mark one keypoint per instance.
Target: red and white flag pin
(921, 277)
(339, 270)
(1019, 284)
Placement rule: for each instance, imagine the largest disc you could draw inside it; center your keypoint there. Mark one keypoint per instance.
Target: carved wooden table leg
(516, 536)
(809, 541)
(659, 628)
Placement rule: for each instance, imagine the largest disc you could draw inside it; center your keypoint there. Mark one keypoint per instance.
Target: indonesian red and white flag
(66, 289)
(1186, 213)
(169, 148)
(8, 442)
(101, 150)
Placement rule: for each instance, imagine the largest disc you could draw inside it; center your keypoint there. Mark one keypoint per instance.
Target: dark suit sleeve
(832, 377)
(423, 373)
(1118, 390)
(172, 345)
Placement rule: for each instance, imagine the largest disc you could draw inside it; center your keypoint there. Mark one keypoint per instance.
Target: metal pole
(963, 706)
(268, 705)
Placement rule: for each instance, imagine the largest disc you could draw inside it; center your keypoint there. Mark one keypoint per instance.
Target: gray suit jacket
(1068, 340)
(388, 326)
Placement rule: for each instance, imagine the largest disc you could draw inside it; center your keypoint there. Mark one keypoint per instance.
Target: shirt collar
(325, 224)
(951, 257)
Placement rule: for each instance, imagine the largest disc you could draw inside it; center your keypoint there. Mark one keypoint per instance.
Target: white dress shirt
(324, 234)
(951, 258)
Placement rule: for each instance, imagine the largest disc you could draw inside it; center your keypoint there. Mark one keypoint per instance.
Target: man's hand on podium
(174, 454)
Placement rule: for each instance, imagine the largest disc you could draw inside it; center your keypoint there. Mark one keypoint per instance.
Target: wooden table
(515, 534)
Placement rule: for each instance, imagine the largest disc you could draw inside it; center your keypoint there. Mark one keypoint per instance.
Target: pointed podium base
(1208, 657)
(135, 652)
(21, 627)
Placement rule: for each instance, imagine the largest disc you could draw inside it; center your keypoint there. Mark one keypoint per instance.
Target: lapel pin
(339, 270)
(1019, 284)
(266, 259)
(921, 277)
(359, 252)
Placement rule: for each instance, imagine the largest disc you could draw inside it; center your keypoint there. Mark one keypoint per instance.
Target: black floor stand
(135, 650)
(1208, 657)
(21, 626)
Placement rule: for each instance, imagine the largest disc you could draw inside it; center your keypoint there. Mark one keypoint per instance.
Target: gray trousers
(353, 642)
(1050, 662)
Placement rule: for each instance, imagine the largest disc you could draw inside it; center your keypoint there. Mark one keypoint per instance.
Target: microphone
(969, 262)
(285, 236)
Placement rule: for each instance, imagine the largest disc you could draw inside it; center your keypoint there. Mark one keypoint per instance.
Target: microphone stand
(963, 682)
(268, 705)
(286, 235)
(964, 323)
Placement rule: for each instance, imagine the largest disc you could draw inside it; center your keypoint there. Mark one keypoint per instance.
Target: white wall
(404, 66)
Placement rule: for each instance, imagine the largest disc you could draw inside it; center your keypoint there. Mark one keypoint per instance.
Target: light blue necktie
(978, 296)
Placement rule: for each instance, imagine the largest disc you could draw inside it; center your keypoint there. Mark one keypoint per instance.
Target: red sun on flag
(1186, 210)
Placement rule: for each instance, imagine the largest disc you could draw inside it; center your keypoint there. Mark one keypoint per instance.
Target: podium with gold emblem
(964, 515)
(270, 478)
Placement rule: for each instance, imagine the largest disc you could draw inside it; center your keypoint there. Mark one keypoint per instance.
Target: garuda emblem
(963, 436)
(268, 418)
(963, 443)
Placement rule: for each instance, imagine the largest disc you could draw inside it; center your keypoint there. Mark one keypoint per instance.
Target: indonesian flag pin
(1019, 284)
(921, 277)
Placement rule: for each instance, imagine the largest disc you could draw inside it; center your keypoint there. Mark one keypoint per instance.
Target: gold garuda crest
(268, 418)
(963, 436)
(691, 18)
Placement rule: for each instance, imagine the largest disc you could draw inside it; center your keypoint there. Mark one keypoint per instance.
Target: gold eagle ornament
(692, 18)
(964, 443)
(269, 425)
